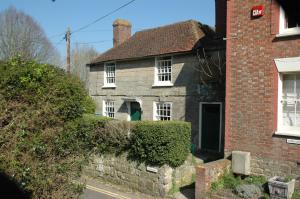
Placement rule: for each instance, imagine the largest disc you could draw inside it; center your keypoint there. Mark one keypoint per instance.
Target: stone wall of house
(252, 87)
(135, 78)
(136, 176)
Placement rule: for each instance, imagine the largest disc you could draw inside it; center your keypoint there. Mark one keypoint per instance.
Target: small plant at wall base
(158, 143)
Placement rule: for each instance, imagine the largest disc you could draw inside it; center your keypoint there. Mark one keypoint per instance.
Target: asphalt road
(90, 194)
(93, 192)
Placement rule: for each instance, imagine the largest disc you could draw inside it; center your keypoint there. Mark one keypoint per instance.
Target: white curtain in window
(291, 100)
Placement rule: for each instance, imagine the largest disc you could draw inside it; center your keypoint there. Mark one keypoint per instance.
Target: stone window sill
(288, 33)
(109, 86)
(288, 133)
(163, 85)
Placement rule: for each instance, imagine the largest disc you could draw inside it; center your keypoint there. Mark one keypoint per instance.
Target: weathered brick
(252, 87)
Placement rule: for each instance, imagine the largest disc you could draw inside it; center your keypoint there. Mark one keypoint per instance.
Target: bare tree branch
(21, 36)
(211, 66)
(80, 56)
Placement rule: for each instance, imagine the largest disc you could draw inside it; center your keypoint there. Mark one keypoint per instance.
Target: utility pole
(68, 38)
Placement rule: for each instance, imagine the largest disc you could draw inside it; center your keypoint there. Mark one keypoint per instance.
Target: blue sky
(55, 17)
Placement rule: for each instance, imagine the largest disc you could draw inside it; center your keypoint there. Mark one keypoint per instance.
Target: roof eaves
(144, 57)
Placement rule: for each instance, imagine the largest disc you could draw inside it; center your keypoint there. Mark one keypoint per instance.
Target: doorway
(135, 111)
(210, 126)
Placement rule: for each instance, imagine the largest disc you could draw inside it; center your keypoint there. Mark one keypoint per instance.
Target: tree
(211, 65)
(21, 35)
(80, 56)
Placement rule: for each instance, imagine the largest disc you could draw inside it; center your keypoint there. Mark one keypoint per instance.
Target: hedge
(40, 151)
(158, 143)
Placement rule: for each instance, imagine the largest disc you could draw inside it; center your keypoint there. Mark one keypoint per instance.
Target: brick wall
(220, 18)
(208, 173)
(252, 83)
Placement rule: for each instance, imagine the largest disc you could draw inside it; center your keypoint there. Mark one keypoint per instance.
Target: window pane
(288, 113)
(109, 109)
(288, 90)
(164, 69)
(110, 71)
(297, 95)
(163, 111)
(297, 123)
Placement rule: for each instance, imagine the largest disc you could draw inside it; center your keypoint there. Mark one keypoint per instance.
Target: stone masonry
(135, 78)
(119, 170)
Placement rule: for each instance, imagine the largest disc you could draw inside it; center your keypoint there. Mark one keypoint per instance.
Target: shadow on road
(10, 189)
(188, 191)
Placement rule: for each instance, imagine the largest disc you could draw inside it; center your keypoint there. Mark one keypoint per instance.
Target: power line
(106, 15)
(92, 42)
(95, 21)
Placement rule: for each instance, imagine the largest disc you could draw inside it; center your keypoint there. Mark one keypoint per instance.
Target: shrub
(83, 133)
(94, 134)
(100, 134)
(227, 181)
(40, 84)
(159, 143)
(115, 137)
(43, 137)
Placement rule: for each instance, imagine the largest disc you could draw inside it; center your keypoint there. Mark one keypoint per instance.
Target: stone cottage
(262, 84)
(164, 73)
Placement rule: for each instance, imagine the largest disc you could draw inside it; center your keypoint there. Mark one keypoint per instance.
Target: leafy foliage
(116, 137)
(229, 181)
(39, 105)
(161, 143)
(47, 135)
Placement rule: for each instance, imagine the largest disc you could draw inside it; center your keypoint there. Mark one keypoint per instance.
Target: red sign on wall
(257, 11)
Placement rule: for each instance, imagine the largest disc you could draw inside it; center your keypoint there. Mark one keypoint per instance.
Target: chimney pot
(121, 31)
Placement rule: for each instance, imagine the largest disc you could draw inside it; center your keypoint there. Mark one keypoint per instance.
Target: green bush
(83, 133)
(94, 134)
(115, 138)
(159, 143)
(43, 137)
(40, 84)
(227, 181)
(230, 181)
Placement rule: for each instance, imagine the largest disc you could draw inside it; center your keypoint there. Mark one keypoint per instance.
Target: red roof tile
(174, 38)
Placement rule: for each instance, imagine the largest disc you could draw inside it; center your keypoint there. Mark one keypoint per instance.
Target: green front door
(135, 111)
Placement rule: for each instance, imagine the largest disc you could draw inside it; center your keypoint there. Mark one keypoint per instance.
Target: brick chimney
(121, 30)
(221, 13)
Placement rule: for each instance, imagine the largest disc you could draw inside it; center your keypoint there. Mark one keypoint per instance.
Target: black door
(210, 127)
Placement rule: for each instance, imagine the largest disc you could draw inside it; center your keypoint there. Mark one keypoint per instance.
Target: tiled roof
(174, 38)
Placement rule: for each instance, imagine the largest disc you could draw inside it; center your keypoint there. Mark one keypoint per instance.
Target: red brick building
(263, 85)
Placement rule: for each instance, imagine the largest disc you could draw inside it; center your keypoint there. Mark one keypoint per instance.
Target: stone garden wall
(157, 181)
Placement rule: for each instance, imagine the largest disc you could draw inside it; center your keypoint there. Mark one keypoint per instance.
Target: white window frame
(156, 117)
(286, 31)
(106, 112)
(106, 66)
(285, 66)
(156, 80)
